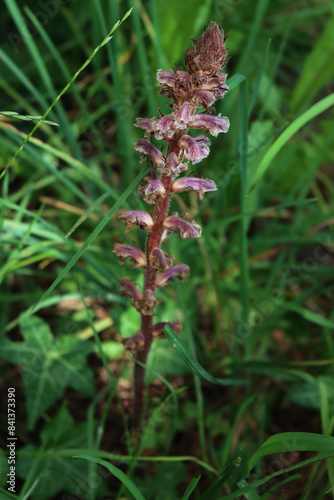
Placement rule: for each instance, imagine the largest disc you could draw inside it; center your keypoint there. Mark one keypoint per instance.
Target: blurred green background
(258, 305)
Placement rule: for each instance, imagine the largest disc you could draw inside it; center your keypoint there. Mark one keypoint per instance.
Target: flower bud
(183, 228)
(179, 272)
(142, 219)
(136, 256)
(209, 54)
(159, 260)
(201, 186)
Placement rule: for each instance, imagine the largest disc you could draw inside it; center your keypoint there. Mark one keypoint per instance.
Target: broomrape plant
(193, 93)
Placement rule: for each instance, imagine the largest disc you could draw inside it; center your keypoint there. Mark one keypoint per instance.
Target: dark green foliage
(257, 307)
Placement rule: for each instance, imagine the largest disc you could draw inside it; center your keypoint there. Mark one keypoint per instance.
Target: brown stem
(153, 241)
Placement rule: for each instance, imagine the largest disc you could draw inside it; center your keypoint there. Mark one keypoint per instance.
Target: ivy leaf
(48, 365)
(57, 473)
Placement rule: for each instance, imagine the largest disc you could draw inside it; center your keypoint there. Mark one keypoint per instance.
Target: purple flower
(130, 289)
(164, 127)
(159, 261)
(179, 272)
(154, 190)
(136, 256)
(201, 186)
(142, 219)
(135, 342)
(147, 149)
(203, 99)
(166, 78)
(146, 124)
(195, 148)
(183, 228)
(212, 124)
(158, 328)
(183, 115)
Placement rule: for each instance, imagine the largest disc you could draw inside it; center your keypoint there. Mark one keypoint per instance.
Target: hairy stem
(153, 241)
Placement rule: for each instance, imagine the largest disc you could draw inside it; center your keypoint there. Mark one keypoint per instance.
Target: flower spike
(192, 93)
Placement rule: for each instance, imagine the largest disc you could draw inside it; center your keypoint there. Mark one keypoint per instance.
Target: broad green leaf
(193, 364)
(58, 473)
(48, 365)
(292, 441)
(175, 35)
(117, 473)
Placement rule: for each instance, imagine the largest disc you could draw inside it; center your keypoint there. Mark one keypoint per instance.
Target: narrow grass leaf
(90, 239)
(75, 76)
(29, 118)
(191, 487)
(193, 364)
(292, 441)
(117, 473)
(309, 315)
(292, 129)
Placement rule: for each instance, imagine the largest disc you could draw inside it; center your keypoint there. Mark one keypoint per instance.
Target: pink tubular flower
(159, 261)
(212, 124)
(130, 289)
(183, 115)
(153, 153)
(146, 124)
(142, 219)
(179, 272)
(201, 186)
(195, 150)
(136, 256)
(153, 190)
(166, 78)
(183, 228)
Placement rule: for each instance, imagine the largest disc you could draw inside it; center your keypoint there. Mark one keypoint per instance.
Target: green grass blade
(191, 487)
(292, 441)
(91, 238)
(292, 129)
(309, 315)
(193, 364)
(259, 77)
(117, 473)
(75, 76)
(261, 7)
(40, 65)
(243, 151)
(27, 118)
